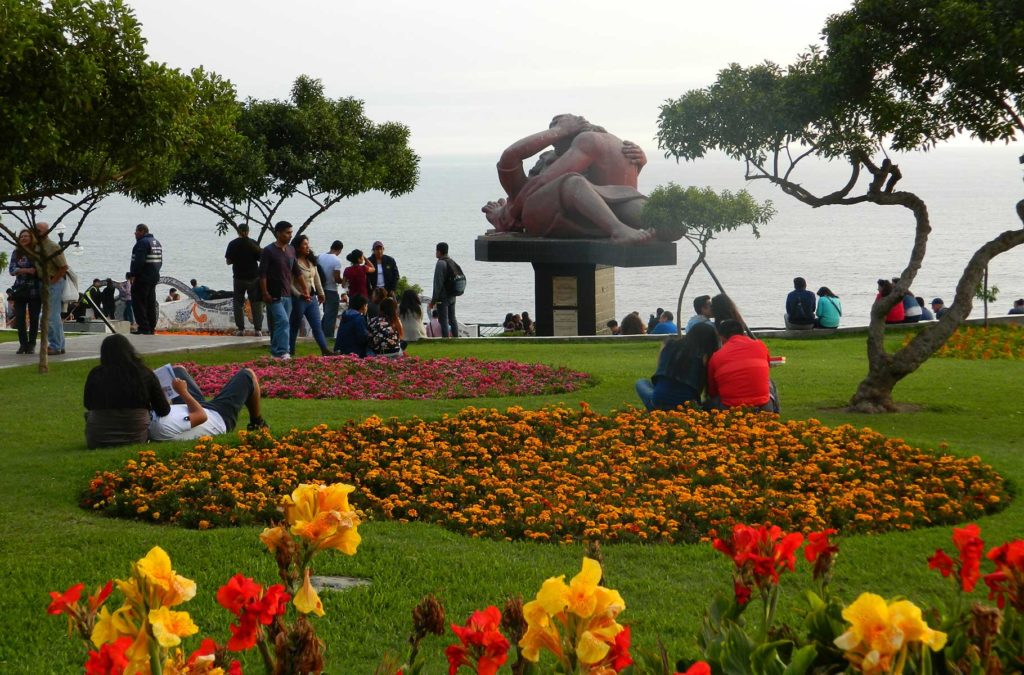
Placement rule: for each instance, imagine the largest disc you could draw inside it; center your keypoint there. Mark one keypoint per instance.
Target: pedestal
(574, 279)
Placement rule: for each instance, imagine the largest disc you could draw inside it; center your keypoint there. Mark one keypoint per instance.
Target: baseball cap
(376, 244)
(937, 301)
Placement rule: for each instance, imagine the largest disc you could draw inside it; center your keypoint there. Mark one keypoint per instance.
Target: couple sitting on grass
(734, 373)
(126, 404)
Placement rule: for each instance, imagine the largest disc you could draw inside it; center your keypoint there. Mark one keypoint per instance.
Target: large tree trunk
(874, 393)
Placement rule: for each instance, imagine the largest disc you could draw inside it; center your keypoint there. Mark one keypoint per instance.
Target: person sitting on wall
(681, 375)
(701, 311)
(192, 415)
(1018, 307)
(800, 306)
(939, 308)
(895, 314)
(926, 314)
(202, 292)
(738, 372)
(613, 327)
(172, 295)
(631, 324)
(829, 310)
(911, 310)
(665, 325)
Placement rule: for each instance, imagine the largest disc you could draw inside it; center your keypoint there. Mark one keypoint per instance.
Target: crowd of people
(717, 364)
(519, 324)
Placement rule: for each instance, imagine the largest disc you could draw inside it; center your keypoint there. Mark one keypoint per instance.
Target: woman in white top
(307, 295)
(410, 312)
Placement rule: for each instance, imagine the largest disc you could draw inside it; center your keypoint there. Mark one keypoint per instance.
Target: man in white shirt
(330, 265)
(193, 416)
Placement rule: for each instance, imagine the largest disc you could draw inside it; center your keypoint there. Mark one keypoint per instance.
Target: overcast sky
(469, 77)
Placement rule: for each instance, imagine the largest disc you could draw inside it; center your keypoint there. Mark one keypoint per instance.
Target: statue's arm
(510, 166)
(577, 159)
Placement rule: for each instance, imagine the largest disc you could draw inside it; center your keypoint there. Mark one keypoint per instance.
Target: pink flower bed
(350, 377)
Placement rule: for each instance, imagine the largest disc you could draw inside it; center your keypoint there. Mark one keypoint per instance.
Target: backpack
(455, 280)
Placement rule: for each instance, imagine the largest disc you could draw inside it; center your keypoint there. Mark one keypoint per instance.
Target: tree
(312, 147)
(84, 113)
(900, 74)
(698, 216)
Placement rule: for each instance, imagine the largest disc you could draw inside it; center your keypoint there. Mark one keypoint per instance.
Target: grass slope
(48, 543)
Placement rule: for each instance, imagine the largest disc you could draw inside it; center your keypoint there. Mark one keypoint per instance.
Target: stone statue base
(574, 279)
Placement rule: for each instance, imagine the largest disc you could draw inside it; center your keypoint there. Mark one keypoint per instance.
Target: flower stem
(268, 659)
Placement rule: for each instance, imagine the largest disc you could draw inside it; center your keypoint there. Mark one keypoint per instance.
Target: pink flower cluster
(350, 377)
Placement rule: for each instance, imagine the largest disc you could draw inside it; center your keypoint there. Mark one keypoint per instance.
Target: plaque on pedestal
(574, 279)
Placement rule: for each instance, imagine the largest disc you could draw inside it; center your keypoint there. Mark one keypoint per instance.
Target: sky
(470, 77)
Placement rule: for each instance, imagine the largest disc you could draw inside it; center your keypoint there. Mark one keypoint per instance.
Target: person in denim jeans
(307, 296)
(276, 264)
(56, 266)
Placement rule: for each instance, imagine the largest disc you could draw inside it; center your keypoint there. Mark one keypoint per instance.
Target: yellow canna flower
(541, 633)
(306, 600)
(301, 505)
(322, 516)
(170, 588)
(170, 626)
(580, 596)
(109, 626)
(590, 648)
(879, 630)
(274, 537)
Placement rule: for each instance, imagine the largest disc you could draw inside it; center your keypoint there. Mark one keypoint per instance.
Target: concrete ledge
(513, 247)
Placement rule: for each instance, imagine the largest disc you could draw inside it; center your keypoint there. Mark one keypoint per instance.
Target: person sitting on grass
(353, 334)
(681, 375)
(191, 415)
(738, 372)
(120, 394)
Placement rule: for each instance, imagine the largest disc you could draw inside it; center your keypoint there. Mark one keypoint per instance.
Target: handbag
(21, 292)
(70, 293)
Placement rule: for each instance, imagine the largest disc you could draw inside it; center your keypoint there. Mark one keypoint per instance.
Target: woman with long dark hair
(119, 395)
(829, 310)
(723, 309)
(385, 330)
(26, 293)
(307, 295)
(681, 375)
(896, 314)
(355, 274)
(410, 313)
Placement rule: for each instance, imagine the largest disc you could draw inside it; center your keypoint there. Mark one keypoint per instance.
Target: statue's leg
(579, 196)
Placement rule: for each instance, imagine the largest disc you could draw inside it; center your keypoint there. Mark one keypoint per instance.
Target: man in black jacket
(386, 274)
(147, 259)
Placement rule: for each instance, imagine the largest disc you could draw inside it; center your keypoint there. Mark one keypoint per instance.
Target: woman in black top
(119, 394)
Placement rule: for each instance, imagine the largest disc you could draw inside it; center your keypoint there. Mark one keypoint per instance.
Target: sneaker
(54, 352)
(239, 333)
(258, 333)
(284, 357)
(257, 424)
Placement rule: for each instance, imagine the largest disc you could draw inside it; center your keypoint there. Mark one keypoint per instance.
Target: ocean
(970, 192)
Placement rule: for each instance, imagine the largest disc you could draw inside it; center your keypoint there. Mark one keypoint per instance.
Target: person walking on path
(330, 267)
(441, 297)
(307, 296)
(147, 259)
(243, 254)
(276, 264)
(386, 274)
(53, 268)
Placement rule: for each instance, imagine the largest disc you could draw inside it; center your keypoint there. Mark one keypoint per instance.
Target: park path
(87, 346)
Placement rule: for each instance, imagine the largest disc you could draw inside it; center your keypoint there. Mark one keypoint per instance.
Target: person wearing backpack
(449, 283)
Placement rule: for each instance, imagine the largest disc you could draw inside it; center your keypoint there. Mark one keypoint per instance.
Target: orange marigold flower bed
(562, 474)
(1002, 341)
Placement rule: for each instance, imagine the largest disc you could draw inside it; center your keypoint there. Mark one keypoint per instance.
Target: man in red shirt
(738, 372)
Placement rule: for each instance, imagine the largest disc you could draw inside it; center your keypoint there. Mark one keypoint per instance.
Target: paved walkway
(87, 346)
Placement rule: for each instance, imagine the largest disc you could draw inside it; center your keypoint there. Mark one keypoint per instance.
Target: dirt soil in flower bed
(562, 474)
(350, 377)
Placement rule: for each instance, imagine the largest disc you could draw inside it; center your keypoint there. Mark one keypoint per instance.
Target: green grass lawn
(48, 543)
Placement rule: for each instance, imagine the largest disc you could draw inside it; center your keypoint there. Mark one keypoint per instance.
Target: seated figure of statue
(586, 188)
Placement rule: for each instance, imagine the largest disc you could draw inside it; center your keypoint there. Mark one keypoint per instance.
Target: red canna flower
(742, 592)
(273, 603)
(699, 668)
(110, 659)
(238, 594)
(481, 641)
(97, 600)
(970, 548)
(760, 555)
(619, 652)
(62, 603)
(1006, 584)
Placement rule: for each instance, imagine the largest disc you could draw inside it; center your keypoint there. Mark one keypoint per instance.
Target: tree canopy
(309, 146)
(899, 74)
